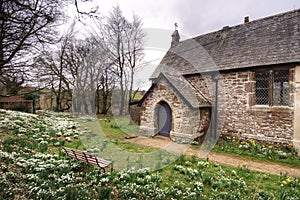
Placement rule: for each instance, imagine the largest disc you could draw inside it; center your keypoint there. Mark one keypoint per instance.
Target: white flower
(56, 144)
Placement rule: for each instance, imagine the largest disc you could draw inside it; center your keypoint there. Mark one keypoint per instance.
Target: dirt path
(225, 159)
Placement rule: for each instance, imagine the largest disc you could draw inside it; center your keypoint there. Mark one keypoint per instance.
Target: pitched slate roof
(182, 88)
(268, 41)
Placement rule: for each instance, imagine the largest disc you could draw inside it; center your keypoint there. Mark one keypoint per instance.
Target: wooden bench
(89, 158)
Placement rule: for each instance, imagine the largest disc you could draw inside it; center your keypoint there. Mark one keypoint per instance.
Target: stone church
(242, 80)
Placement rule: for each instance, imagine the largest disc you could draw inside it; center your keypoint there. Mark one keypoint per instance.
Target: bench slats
(85, 158)
(88, 158)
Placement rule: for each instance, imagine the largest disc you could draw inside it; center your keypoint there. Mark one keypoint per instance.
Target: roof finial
(175, 36)
(176, 26)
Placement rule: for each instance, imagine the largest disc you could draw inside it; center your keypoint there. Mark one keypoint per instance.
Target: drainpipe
(215, 113)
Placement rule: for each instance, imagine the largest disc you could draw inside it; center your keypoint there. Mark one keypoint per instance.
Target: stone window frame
(271, 79)
(266, 93)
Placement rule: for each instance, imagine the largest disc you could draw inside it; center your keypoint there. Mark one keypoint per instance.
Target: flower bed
(275, 152)
(33, 167)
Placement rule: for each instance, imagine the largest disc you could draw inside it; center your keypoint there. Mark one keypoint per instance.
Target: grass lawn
(104, 137)
(33, 166)
(138, 96)
(224, 182)
(283, 154)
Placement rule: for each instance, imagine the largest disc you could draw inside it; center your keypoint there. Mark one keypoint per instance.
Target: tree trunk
(60, 84)
(130, 89)
(122, 98)
(97, 99)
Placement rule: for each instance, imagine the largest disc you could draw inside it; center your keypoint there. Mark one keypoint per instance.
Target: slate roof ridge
(269, 41)
(182, 87)
(278, 15)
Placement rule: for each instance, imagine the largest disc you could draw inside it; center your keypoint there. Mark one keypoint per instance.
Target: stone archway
(164, 119)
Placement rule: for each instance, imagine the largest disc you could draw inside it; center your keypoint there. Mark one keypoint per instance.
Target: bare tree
(134, 54)
(24, 25)
(91, 13)
(125, 41)
(92, 69)
(51, 68)
(88, 69)
(114, 32)
(105, 87)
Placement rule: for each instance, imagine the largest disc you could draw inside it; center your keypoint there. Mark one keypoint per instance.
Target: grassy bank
(34, 167)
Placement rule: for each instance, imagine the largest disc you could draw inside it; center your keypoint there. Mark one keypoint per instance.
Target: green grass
(116, 128)
(280, 153)
(256, 182)
(138, 96)
(175, 174)
(105, 139)
(75, 144)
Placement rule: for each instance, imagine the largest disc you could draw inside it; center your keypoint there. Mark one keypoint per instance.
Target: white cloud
(194, 17)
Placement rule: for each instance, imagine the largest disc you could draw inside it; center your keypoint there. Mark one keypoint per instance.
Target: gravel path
(224, 159)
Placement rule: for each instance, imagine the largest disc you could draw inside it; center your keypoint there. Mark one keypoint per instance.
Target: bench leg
(111, 167)
(99, 170)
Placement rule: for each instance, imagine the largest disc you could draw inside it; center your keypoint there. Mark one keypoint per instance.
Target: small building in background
(16, 103)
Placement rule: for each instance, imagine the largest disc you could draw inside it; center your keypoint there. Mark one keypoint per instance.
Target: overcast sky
(194, 17)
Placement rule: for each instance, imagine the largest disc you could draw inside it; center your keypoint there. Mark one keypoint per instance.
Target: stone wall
(16, 103)
(185, 121)
(237, 112)
(135, 114)
(242, 117)
(19, 106)
(47, 100)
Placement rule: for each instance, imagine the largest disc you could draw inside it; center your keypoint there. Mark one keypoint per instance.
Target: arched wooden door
(164, 119)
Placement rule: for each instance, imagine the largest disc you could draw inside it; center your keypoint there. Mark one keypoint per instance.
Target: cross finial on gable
(176, 26)
(175, 36)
